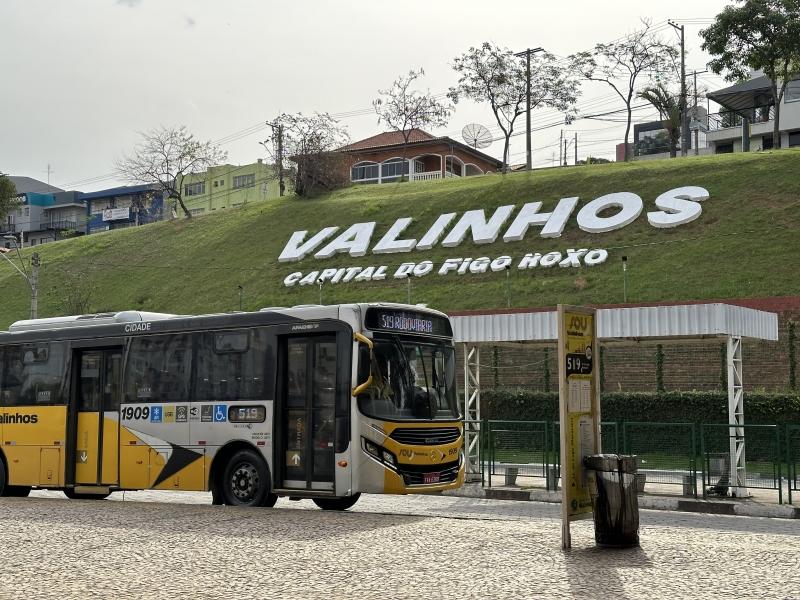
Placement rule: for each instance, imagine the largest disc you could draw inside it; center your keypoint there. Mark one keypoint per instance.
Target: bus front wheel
(245, 481)
(337, 503)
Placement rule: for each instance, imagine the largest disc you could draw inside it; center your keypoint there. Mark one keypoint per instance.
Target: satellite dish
(476, 135)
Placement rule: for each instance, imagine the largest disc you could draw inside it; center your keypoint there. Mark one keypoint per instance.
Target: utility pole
(560, 145)
(683, 103)
(697, 124)
(49, 172)
(34, 282)
(528, 153)
(566, 143)
(576, 147)
(277, 140)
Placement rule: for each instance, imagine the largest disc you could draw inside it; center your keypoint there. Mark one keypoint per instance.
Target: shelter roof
(746, 95)
(634, 324)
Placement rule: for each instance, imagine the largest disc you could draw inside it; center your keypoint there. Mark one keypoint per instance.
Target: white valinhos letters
(483, 232)
(630, 206)
(678, 206)
(434, 234)
(355, 240)
(389, 242)
(529, 214)
(295, 250)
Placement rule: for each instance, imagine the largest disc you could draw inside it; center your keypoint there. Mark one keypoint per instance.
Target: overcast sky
(81, 78)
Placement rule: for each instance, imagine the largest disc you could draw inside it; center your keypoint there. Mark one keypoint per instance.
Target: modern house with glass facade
(748, 115)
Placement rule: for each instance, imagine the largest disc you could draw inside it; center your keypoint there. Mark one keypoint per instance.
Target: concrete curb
(743, 508)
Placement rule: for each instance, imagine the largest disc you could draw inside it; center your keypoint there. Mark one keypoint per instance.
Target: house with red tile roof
(387, 157)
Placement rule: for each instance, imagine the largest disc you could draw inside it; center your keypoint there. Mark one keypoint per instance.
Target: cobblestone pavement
(164, 544)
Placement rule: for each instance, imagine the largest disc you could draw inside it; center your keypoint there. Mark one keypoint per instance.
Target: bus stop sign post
(579, 410)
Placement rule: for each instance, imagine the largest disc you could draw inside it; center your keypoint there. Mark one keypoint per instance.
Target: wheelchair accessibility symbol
(220, 414)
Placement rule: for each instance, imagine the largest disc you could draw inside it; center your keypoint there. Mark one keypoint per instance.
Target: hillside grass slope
(744, 244)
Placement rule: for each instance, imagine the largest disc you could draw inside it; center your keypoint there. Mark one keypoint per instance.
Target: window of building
(244, 181)
(221, 182)
(216, 184)
(364, 172)
(794, 139)
(723, 148)
(194, 189)
(158, 369)
(33, 374)
(766, 142)
(792, 93)
(394, 168)
(419, 166)
(27, 211)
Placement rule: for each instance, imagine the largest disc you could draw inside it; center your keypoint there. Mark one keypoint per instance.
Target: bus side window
(230, 365)
(34, 374)
(158, 369)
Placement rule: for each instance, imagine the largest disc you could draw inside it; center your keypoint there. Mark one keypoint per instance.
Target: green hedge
(696, 407)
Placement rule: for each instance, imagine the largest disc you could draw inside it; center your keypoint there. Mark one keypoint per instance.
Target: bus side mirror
(364, 370)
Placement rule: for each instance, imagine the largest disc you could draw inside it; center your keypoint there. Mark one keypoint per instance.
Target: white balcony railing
(428, 175)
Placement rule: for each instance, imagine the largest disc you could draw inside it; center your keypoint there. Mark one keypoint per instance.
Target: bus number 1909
(138, 412)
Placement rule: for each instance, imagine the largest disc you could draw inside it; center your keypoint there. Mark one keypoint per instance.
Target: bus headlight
(388, 457)
(382, 455)
(372, 448)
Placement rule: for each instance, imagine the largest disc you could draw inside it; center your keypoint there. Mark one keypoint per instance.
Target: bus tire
(3, 486)
(73, 495)
(337, 503)
(245, 481)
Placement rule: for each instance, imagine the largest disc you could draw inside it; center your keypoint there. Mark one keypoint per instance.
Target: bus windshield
(411, 381)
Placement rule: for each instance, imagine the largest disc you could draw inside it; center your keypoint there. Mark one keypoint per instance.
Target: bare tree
(621, 64)
(73, 295)
(310, 143)
(165, 156)
(493, 74)
(404, 109)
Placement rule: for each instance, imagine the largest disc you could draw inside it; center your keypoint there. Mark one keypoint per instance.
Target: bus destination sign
(406, 322)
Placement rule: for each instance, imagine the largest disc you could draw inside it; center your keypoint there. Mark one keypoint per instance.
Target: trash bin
(612, 484)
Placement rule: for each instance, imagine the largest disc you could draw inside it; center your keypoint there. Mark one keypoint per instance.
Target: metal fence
(694, 456)
(792, 458)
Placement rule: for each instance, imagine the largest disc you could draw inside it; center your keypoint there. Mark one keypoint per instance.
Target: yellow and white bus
(321, 402)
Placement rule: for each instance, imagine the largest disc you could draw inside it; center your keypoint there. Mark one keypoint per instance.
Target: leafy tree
(165, 156)
(757, 34)
(404, 109)
(310, 142)
(73, 295)
(493, 74)
(621, 64)
(8, 196)
(669, 110)
(594, 160)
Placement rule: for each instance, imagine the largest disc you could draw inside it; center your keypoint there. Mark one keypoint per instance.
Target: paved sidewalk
(727, 506)
(176, 545)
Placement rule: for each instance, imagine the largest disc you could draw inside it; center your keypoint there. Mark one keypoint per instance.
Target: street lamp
(624, 278)
(32, 279)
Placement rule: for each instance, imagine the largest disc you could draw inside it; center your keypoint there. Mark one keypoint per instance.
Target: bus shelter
(642, 325)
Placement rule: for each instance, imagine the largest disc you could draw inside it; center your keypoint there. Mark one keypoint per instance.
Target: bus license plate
(431, 477)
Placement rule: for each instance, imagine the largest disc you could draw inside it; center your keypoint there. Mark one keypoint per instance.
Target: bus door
(97, 431)
(307, 447)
